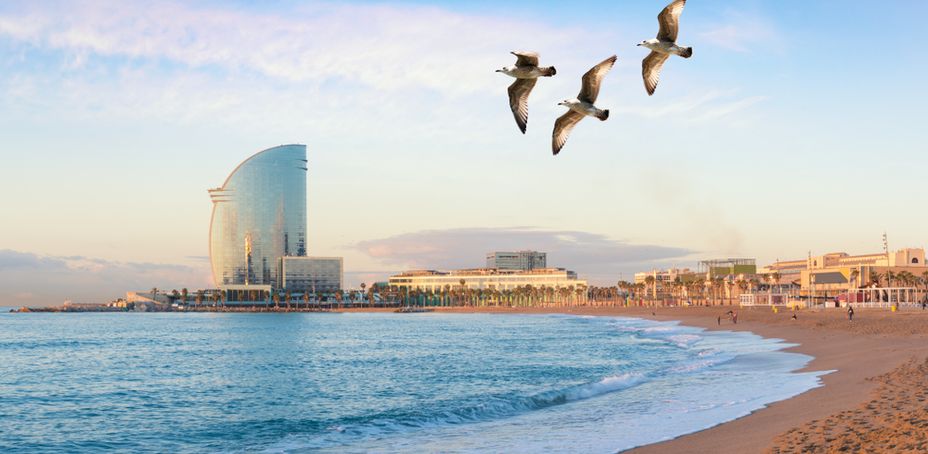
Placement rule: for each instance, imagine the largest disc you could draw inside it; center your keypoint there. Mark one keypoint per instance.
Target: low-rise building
(486, 279)
(311, 274)
(835, 274)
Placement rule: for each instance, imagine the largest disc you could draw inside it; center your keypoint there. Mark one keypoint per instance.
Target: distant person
(850, 313)
(734, 317)
(794, 317)
(720, 320)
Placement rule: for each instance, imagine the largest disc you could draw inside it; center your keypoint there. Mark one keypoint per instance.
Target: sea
(374, 382)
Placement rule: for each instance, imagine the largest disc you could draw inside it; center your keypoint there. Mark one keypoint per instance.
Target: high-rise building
(520, 261)
(259, 216)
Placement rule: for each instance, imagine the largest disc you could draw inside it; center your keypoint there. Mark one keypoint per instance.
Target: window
(915, 260)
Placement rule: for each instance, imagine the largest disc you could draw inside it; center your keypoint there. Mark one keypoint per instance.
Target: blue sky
(796, 126)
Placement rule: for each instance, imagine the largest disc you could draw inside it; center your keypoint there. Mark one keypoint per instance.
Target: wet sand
(873, 402)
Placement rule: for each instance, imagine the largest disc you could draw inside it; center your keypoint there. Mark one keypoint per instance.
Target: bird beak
(639, 44)
(498, 71)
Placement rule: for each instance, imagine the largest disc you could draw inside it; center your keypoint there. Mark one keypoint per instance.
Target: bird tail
(603, 115)
(548, 72)
(687, 53)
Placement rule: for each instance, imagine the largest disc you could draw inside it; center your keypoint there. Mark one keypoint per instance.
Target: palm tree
(183, 294)
(650, 281)
(199, 298)
(154, 294)
(288, 296)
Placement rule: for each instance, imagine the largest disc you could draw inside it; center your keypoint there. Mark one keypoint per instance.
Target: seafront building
(257, 240)
(311, 274)
(841, 275)
(520, 261)
(486, 279)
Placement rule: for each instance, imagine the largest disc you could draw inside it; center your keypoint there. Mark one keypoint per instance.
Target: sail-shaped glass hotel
(259, 216)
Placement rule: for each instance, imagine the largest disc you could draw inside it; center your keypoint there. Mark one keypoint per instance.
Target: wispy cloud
(742, 32)
(386, 47)
(595, 256)
(28, 278)
(707, 106)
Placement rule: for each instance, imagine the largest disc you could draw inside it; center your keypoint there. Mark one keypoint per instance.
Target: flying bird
(582, 105)
(526, 71)
(664, 45)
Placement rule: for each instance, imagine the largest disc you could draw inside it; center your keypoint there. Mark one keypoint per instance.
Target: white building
(486, 279)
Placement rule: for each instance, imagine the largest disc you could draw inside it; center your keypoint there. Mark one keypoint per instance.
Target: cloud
(385, 47)
(595, 256)
(744, 33)
(707, 106)
(27, 278)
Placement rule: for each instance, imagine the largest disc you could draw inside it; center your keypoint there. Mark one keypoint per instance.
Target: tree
(183, 294)
(651, 282)
(288, 296)
(363, 286)
(199, 298)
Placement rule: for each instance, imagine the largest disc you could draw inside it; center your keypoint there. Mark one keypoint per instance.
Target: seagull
(582, 105)
(526, 71)
(664, 45)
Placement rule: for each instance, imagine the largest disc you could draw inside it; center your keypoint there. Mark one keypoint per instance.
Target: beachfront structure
(520, 261)
(841, 275)
(742, 268)
(486, 279)
(659, 283)
(311, 274)
(259, 216)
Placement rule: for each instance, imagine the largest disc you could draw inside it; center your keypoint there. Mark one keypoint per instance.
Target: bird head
(564, 102)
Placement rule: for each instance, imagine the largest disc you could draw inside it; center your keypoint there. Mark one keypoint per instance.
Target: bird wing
(524, 58)
(593, 78)
(518, 100)
(562, 128)
(651, 70)
(669, 20)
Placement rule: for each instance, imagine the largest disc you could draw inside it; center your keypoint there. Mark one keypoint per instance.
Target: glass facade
(311, 274)
(259, 215)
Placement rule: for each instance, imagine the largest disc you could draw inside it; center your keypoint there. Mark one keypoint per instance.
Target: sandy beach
(874, 401)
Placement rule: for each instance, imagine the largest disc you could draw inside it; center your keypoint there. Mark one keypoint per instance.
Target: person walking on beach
(734, 317)
(720, 320)
(850, 313)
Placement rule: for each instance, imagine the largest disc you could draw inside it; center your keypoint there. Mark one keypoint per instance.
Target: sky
(795, 127)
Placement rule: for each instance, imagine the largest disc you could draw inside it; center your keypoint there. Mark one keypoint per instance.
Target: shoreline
(877, 342)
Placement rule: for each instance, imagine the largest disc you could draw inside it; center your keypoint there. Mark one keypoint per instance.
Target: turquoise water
(374, 382)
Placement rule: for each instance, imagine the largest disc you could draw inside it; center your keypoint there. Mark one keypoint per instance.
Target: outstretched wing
(593, 78)
(518, 100)
(669, 20)
(524, 58)
(651, 70)
(562, 128)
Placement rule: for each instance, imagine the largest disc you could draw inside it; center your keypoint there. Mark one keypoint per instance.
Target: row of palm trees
(461, 295)
(898, 279)
(218, 300)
